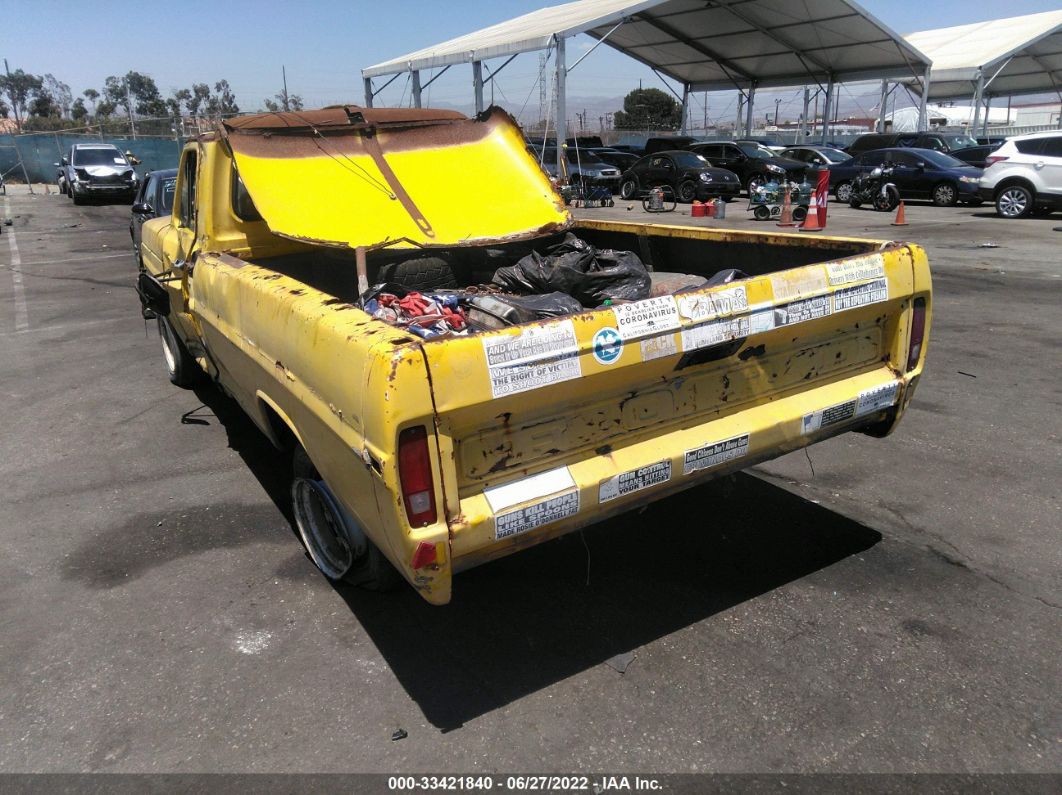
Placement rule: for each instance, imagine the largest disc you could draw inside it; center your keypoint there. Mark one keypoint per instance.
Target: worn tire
(843, 191)
(762, 213)
(945, 194)
(1015, 201)
(629, 189)
(420, 273)
(687, 191)
(183, 369)
(364, 565)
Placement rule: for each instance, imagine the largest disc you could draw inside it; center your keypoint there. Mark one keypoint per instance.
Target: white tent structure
(1001, 57)
(702, 44)
(906, 119)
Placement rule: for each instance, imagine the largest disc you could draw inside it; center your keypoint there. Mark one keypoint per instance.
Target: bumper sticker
(635, 480)
(536, 357)
(705, 306)
(867, 402)
(715, 453)
(646, 318)
(857, 269)
(531, 516)
(870, 293)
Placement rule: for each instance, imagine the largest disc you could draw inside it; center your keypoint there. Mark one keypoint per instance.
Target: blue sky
(324, 44)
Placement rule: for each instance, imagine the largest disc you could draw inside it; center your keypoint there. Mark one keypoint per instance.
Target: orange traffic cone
(811, 221)
(787, 212)
(901, 220)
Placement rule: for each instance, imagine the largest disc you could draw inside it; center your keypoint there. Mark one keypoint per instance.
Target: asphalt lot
(876, 606)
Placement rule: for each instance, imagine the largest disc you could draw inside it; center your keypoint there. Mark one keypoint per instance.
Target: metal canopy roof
(1018, 55)
(705, 44)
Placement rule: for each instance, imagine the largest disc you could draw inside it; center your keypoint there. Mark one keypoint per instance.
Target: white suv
(1024, 175)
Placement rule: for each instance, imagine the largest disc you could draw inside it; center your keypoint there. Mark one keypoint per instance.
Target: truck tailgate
(562, 422)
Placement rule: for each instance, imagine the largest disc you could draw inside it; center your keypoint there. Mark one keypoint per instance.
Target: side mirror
(65, 162)
(142, 208)
(921, 165)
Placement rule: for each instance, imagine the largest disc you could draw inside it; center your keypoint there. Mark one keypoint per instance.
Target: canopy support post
(477, 84)
(368, 91)
(804, 116)
(884, 103)
(827, 101)
(685, 108)
(562, 109)
(979, 91)
(988, 107)
(923, 106)
(416, 88)
(749, 108)
(738, 133)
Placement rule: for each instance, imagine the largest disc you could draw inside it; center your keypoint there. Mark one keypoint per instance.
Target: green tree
(177, 101)
(19, 86)
(4, 109)
(223, 101)
(199, 99)
(60, 93)
(648, 109)
(78, 111)
(283, 102)
(43, 104)
(91, 95)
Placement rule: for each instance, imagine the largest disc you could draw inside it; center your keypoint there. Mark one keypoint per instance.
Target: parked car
(668, 143)
(94, 170)
(975, 155)
(938, 141)
(995, 140)
(1024, 175)
(621, 160)
(583, 166)
(819, 156)
(153, 200)
(771, 143)
(754, 164)
(917, 173)
(688, 174)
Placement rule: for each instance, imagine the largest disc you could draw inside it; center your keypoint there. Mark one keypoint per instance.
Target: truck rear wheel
(333, 539)
(183, 369)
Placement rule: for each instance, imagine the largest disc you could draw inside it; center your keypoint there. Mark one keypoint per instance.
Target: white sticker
(867, 402)
(797, 282)
(715, 453)
(878, 398)
(801, 311)
(607, 345)
(635, 480)
(703, 306)
(856, 269)
(531, 516)
(861, 295)
(541, 485)
(714, 333)
(536, 357)
(761, 321)
(645, 318)
(120, 161)
(659, 347)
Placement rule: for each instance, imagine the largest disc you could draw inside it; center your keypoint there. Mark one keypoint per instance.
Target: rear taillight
(994, 159)
(414, 471)
(918, 333)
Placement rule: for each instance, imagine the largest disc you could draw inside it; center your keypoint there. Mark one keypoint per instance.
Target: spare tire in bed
(420, 273)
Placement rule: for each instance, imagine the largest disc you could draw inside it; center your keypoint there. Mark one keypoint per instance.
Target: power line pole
(284, 74)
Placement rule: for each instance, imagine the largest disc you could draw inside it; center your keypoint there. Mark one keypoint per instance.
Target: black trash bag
(573, 266)
(499, 311)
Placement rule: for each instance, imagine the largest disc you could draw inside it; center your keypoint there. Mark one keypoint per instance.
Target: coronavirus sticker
(635, 480)
(646, 318)
(536, 357)
(715, 453)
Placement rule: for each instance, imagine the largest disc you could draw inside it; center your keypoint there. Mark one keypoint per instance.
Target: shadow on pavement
(535, 618)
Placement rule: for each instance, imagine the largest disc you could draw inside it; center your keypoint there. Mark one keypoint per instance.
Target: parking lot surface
(873, 606)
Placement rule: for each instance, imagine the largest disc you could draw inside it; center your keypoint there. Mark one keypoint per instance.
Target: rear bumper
(616, 481)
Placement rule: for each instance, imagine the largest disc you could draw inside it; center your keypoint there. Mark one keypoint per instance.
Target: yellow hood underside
(446, 183)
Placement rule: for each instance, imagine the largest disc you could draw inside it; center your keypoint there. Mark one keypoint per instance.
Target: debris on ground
(399, 734)
(621, 661)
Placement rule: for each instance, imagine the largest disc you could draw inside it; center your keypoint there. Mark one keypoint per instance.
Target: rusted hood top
(350, 176)
(339, 116)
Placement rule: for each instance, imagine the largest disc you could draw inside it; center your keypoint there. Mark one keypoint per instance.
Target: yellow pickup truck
(417, 456)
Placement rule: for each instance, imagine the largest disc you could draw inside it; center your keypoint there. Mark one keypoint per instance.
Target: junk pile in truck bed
(567, 278)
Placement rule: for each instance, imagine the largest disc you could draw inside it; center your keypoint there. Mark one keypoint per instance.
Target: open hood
(350, 176)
